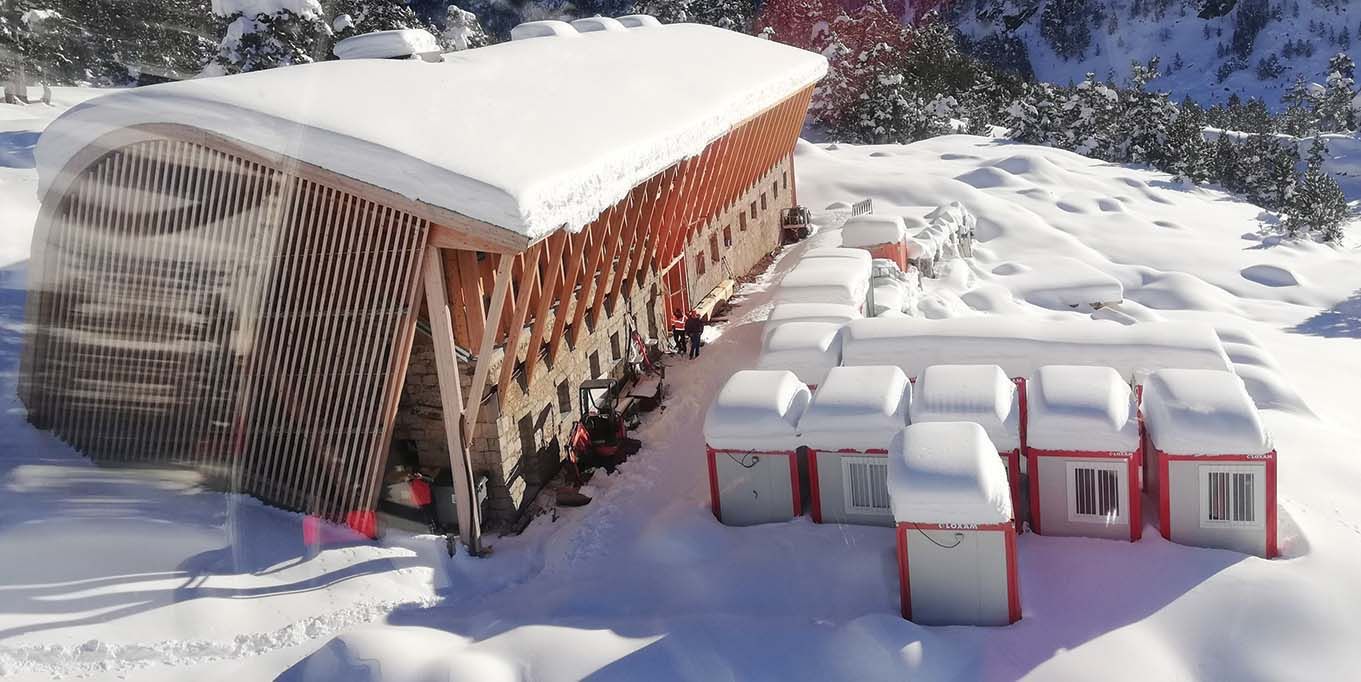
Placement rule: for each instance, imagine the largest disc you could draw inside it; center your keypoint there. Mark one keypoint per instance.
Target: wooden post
(498, 302)
(451, 399)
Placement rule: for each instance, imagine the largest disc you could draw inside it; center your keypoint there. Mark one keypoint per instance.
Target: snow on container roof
(835, 252)
(480, 133)
(592, 24)
(1202, 412)
(543, 29)
(982, 394)
(403, 42)
(1083, 408)
(872, 230)
(756, 410)
(1022, 345)
(809, 349)
(947, 472)
(638, 20)
(857, 407)
(784, 313)
(826, 280)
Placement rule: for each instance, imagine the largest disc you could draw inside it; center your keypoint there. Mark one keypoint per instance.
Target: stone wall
(544, 407)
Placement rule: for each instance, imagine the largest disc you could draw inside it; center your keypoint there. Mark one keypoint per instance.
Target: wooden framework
(200, 301)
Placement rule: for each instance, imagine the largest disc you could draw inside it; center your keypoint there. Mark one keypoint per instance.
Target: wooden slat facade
(201, 308)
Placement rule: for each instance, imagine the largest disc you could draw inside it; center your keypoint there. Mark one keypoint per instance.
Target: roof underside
(529, 136)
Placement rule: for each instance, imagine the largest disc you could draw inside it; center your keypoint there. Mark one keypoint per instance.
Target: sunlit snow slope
(146, 576)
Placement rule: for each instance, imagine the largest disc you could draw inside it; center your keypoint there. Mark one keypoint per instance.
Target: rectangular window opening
(1232, 496)
(865, 484)
(1095, 494)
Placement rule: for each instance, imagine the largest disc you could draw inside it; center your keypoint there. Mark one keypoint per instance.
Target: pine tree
(367, 16)
(734, 15)
(1335, 112)
(1224, 163)
(1318, 207)
(1187, 154)
(265, 41)
(1145, 119)
(462, 31)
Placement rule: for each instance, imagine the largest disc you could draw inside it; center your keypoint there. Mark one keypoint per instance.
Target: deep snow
(143, 574)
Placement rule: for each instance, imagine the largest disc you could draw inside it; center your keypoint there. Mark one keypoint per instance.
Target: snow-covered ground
(143, 574)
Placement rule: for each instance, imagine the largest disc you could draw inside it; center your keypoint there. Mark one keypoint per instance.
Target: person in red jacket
(678, 330)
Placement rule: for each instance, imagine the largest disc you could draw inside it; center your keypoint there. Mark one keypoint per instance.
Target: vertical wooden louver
(198, 307)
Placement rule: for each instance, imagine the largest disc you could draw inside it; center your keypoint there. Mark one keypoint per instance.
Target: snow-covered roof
(1022, 345)
(784, 313)
(872, 230)
(638, 20)
(808, 349)
(756, 410)
(857, 407)
(548, 28)
(591, 24)
(842, 281)
(1202, 412)
(528, 135)
(947, 472)
(982, 394)
(835, 252)
(1072, 407)
(403, 42)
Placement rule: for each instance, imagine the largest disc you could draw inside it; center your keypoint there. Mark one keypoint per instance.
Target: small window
(1094, 496)
(775, 189)
(864, 482)
(699, 263)
(595, 365)
(753, 210)
(784, 179)
(713, 247)
(564, 397)
(727, 235)
(1231, 496)
(742, 222)
(614, 346)
(763, 201)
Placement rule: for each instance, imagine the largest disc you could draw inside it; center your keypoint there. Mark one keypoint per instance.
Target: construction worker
(678, 330)
(694, 328)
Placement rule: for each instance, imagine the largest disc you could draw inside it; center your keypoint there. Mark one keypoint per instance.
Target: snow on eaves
(947, 472)
(530, 136)
(1202, 412)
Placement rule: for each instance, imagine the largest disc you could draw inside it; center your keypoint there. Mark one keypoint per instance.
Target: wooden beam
(656, 224)
(633, 229)
(647, 227)
(552, 286)
(484, 350)
(603, 277)
(475, 307)
(568, 293)
(517, 319)
(604, 228)
(451, 400)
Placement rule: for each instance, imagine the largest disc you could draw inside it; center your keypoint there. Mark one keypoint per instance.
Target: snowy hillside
(144, 575)
(1252, 48)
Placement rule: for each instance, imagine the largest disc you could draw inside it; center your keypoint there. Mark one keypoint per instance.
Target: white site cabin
(984, 395)
(751, 447)
(956, 538)
(1082, 443)
(847, 428)
(1214, 461)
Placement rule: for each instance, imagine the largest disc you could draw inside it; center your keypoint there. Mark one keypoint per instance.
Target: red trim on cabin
(1013, 578)
(1272, 551)
(904, 583)
(715, 505)
(814, 490)
(1009, 543)
(1136, 521)
(794, 483)
(1165, 498)
(1021, 405)
(1033, 473)
(1013, 462)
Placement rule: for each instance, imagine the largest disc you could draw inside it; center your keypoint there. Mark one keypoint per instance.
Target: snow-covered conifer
(263, 34)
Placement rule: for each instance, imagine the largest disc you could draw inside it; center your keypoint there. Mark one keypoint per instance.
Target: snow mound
(857, 407)
(947, 472)
(1059, 282)
(1080, 408)
(593, 24)
(427, 654)
(1202, 412)
(1270, 275)
(1011, 268)
(991, 178)
(547, 28)
(387, 44)
(981, 394)
(756, 409)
